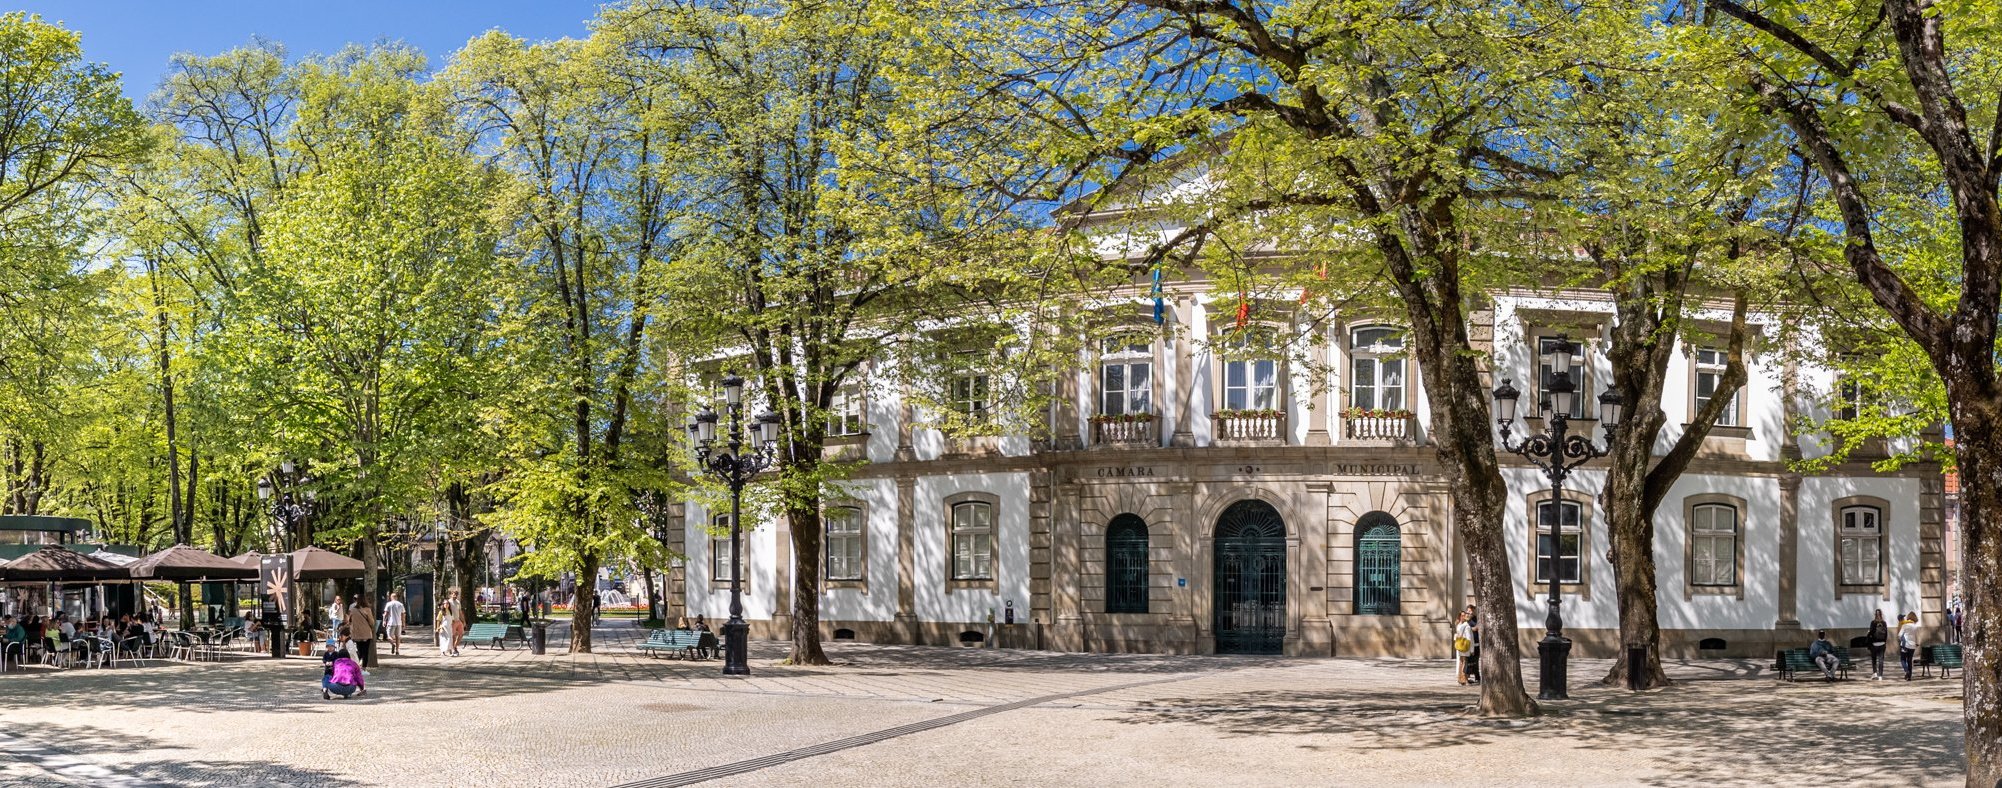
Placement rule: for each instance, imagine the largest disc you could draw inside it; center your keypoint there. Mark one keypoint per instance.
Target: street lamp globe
(1505, 398)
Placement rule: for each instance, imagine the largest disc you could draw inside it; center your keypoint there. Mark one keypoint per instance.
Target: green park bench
(1795, 661)
(1945, 656)
(678, 642)
(490, 633)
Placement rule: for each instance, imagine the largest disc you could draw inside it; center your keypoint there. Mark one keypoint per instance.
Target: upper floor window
(1568, 516)
(1713, 545)
(1547, 347)
(1710, 364)
(1859, 545)
(844, 543)
(1376, 381)
(973, 541)
(1250, 372)
(968, 394)
(1126, 375)
(844, 413)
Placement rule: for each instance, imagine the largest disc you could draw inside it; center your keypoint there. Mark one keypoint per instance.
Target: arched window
(1126, 565)
(1713, 545)
(1126, 375)
(844, 543)
(1376, 381)
(1378, 565)
(973, 541)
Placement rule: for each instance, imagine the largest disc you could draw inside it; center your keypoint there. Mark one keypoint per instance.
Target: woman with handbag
(1463, 644)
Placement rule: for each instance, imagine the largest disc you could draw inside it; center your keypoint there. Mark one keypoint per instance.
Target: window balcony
(1393, 426)
(1131, 430)
(1250, 426)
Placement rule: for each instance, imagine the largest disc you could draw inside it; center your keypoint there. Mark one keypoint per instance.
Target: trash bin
(1636, 665)
(538, 641)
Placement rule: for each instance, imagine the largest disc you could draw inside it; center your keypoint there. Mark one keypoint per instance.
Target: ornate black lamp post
(1555, 453)
(731, 465)
(288, 495)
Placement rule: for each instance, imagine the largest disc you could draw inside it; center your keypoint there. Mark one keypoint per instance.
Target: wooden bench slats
(489, 633)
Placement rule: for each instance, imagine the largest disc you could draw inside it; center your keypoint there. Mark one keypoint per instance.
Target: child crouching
(343, 675)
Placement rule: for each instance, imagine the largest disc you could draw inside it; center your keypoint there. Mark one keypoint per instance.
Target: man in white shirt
(392, 622)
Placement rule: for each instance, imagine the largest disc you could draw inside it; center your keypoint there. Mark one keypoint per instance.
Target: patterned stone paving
(510, 718)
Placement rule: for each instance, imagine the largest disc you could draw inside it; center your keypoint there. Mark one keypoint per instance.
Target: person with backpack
(1880, 634)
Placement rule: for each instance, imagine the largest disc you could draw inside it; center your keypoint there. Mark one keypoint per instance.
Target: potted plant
(1376, 413)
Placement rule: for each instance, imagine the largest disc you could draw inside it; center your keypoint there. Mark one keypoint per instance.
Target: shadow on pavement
(58, 747)
(218, 688)
(1723, 725)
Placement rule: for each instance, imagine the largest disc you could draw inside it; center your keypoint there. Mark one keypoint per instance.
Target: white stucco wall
(877, 599)
(1817, 604)
(1601, 609)
(760, 544)
(1759, 537)
(934, 600)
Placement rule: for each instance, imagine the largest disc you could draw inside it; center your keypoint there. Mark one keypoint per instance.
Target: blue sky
(136, 37)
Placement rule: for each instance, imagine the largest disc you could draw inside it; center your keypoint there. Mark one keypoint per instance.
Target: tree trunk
(1630, 521)
(1466, 448)
(804, 515)
(580, 603)
(1977, 420)
(652, 599)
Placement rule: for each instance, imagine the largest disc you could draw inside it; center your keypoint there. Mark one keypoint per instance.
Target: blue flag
(1160, 307)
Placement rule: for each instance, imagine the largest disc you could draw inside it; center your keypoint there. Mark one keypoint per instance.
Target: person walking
(459, 619)
(1908, 641)
(1463, 644)
(1880, 634)
(392, 622)
(447, 626)
(361, 628)
(336, 613)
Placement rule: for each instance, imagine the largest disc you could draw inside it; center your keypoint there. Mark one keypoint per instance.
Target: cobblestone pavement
(909, 716)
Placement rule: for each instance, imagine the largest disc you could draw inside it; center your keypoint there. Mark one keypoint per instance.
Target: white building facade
(1192, 498)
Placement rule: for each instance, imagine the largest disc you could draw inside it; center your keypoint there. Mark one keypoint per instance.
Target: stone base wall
(1392, 637)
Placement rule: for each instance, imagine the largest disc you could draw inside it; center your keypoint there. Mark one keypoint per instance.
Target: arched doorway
(1378, 566)
(1250, 600)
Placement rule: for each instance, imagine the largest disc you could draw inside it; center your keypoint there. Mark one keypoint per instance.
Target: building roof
(42, 522)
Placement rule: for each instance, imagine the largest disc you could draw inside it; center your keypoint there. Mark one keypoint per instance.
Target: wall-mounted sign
(1373, 469)
(1182, 582)
(1123, 471)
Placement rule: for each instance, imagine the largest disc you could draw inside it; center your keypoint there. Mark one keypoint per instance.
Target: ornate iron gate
(1250, 600)
(1378, 564)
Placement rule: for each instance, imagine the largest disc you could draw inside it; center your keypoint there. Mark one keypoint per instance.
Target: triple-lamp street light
(730, 464)
(290, 501)
(1555, 453)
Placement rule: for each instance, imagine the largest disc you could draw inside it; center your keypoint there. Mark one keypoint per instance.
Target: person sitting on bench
(1823, 654)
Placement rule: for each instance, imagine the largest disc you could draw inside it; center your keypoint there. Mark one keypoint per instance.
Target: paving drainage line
(776, 759)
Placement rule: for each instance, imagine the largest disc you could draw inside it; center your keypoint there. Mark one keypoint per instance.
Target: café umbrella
(56, 565)
(183, 564)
